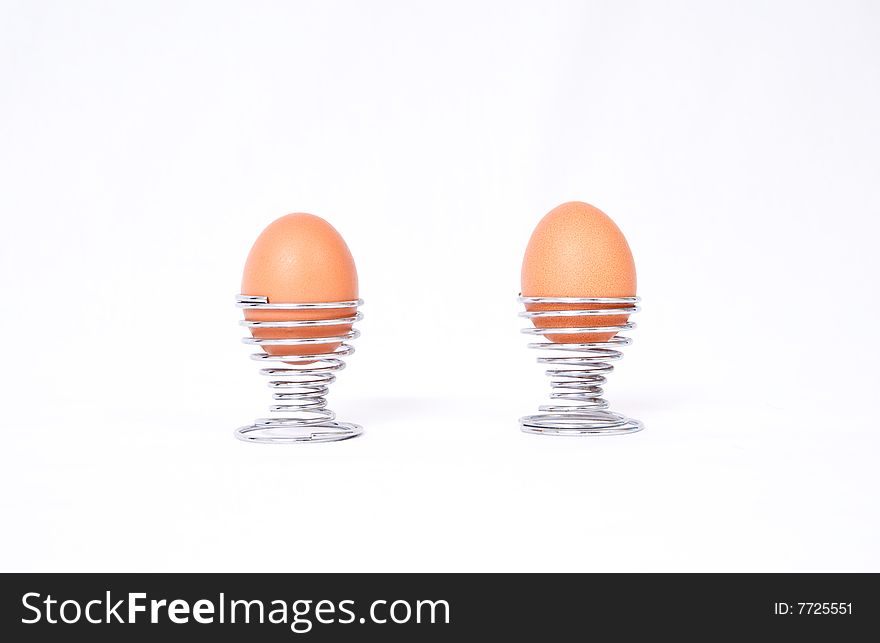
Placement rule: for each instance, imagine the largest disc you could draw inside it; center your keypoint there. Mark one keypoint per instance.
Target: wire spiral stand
(300, 382)
(580, 373)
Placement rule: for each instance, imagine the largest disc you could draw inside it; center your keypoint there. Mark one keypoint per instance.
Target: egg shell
(300, 258)
(576, 250)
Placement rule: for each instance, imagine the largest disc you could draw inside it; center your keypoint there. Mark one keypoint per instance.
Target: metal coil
(578, 377)
(300, 382)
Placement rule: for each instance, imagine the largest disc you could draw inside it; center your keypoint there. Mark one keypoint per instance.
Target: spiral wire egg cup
(300, 382)
(579, 375)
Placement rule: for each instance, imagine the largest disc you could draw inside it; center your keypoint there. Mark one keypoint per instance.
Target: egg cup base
(579, 425)
(297, 434)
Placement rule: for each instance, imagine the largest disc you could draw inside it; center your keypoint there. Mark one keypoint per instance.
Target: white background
(145, 145)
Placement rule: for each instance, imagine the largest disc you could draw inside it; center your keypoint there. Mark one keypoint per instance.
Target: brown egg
(300, 258)
(577, 251)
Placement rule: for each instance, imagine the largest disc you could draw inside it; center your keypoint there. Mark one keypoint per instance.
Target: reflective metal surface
(578, 370)
(300, 382)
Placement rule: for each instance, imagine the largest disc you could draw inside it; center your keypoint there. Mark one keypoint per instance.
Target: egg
(300, 258)
(576, 250)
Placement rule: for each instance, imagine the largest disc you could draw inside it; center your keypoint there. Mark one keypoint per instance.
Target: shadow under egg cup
(300, 382)
(579, 375)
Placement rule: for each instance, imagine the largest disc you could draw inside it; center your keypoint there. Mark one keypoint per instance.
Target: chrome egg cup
(300, 382)
(578, 378)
